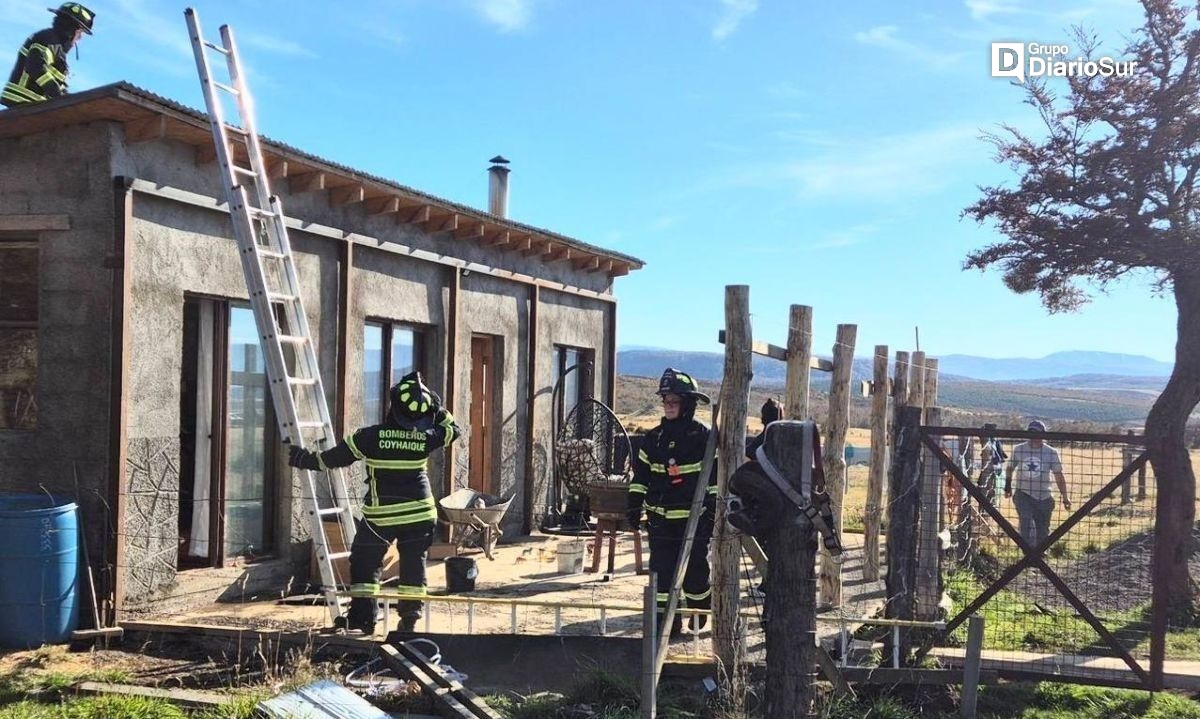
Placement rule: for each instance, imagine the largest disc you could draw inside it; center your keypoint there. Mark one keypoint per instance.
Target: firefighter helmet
(681, 383)
(411, 398)
(77, 13)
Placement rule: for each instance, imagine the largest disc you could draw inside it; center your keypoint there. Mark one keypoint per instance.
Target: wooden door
(482, 413)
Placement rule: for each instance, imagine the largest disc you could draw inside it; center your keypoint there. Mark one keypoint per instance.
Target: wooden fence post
(877, 468)
(791, 594)
(929, 550)
(649, 704)
(834, 452)
(931, 381)
(799, 357)
(899, 386)
(916, 381)
(903, 479)
(735, 401)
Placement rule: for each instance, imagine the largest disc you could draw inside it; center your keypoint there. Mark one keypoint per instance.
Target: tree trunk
(1175, 510)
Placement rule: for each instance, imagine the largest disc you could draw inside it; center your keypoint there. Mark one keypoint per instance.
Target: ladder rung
(259, 212)
(302, 381)
(277, 297)
(330, 511)
(234, 128)
(243, 171)
(270, 254)
(218, 48)
(226, 88)
(334, 556)
(311, 425)
(293, 339)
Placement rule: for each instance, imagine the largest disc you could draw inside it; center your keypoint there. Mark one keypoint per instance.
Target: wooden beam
(603, 266)
(347, 194)
(418, 216)
(206, 154)
(306, 182)
(531, 247)
(34, 223)
(619, 270)
(277, 168)
(799, 362)
(382, 205)
(470, 232)
(497, 239)
(522, 244)
(779, 353)
(150, 128)
(560, 253)
(183, 697)
(588, 263)
(450, 224)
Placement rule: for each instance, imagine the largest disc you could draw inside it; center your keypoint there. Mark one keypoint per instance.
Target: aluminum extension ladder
(261, 233)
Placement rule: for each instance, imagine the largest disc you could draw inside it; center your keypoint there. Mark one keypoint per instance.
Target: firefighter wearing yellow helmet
(399, 505)
(40, 72)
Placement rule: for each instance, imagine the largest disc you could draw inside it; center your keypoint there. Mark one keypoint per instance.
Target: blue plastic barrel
(39, 570)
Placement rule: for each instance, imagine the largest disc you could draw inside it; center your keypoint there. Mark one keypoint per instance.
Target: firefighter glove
(302, 458)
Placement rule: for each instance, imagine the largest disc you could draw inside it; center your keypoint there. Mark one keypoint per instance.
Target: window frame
(420, 362)
(28, 242)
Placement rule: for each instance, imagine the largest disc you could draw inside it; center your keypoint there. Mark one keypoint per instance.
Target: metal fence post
(974, 659)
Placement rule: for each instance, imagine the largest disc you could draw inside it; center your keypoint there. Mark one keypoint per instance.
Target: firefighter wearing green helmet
(40, 72)
(399, 505)
(666, 470)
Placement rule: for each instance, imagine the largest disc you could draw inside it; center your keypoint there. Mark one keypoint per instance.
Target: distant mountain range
(1094, 370)
(1092, 386)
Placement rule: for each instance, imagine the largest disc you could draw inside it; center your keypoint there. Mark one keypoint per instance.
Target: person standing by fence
(1033, 463)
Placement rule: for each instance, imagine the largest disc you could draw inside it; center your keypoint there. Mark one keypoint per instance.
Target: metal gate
(1063, 583)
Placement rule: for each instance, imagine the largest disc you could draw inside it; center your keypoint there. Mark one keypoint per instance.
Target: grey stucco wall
(176, 249)
(65, 171)
(564, 320)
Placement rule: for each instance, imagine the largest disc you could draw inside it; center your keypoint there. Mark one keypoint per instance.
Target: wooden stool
(609, 524)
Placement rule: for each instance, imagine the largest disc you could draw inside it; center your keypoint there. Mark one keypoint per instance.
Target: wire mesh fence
(1049, 536)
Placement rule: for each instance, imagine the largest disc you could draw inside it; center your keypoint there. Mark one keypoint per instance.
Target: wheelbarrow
(475, 518)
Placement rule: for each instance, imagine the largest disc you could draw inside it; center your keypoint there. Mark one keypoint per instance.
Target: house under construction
(129, 355)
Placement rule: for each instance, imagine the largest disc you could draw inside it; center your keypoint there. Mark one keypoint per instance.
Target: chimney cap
(498, 160)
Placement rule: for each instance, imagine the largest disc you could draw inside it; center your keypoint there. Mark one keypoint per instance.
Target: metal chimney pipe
(498, 186)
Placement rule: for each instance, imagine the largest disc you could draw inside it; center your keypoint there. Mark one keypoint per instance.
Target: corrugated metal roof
(318, 700)
(127, 91)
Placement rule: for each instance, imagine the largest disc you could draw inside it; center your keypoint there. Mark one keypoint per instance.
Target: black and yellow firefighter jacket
(396, 457)
(40, 72)
(667, 468)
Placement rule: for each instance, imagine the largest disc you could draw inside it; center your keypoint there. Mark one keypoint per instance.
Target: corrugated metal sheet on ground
(320, 700)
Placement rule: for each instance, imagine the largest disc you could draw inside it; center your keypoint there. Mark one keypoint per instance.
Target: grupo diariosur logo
(1023, 60)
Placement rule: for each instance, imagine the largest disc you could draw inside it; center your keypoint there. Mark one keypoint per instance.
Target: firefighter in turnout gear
(399, 506)
(40, 72)
(665, 473)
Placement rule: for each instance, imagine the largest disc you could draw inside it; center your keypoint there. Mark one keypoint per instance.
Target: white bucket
(570, 556)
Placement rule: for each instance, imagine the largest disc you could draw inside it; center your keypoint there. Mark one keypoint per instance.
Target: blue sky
(819, 152)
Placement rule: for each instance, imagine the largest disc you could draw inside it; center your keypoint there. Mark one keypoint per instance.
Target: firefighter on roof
(665, 473)
(40, 72)
(399, 506)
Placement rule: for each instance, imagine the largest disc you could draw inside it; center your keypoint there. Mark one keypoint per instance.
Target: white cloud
(733, 12)
(885, 36)
(272, 44)
(507, 15)
(884, 170)
(983, 9)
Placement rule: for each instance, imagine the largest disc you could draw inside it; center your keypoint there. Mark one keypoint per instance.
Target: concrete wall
(66, 172)
(176, 249)
(571, 321)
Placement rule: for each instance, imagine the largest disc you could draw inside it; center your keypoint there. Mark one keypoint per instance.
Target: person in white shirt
(1034, 463)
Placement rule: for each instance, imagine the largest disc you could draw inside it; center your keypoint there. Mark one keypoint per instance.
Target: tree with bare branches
(1110, 191)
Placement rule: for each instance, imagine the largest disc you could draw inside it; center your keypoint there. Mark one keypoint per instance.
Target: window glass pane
(18, 373)
(245, 470)
(571, 384)
(373, 390)
(404, 355)
(18, 282)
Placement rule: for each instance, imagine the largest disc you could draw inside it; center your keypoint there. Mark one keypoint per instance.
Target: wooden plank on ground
(473, 701)
(448, 704)
(183, 697)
